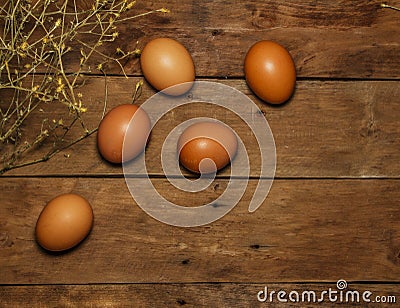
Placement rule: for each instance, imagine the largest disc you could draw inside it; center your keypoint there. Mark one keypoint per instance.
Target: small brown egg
(116, 125)
(165, 63)
(206, 147)
(64, 222)
(270, 72)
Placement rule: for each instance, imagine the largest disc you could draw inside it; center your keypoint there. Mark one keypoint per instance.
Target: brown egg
(270, 72)
(165, 63)
(64, 222)
(115, 126)
(206, 147)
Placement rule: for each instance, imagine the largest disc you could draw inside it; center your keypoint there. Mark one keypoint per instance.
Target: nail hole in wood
(181, 302)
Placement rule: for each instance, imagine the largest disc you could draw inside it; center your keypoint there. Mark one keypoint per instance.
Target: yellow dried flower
(60, 88)
(139, 84)
(130, 5)
(43, 44)
(81, 108)
(164, 10)
(58, 23)
(24, 45)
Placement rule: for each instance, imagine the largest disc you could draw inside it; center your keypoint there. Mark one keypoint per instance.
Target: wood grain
(306, 230)
(318, 53)
(254, 15)
(323, 39)
(326, 39)
(181, 295)
(328, 129)
(332, 212)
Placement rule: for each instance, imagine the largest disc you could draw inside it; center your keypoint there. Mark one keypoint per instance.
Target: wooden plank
(308, 233)
(328, 129)
(191, 295)
(254, 14)
(319, 53)
(306, 230)
(327, 39)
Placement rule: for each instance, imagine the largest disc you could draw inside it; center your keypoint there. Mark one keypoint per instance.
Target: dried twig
(36, 36)
(384, 5)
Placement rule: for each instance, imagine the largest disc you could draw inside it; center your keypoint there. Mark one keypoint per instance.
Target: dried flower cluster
(37, 37)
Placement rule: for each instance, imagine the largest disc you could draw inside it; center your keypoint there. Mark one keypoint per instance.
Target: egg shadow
(275, 106)
(164, 93)
(223, 173)
(62, 252)
(285, 103)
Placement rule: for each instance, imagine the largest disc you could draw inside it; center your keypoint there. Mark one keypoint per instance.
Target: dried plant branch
(384, 5)
(35, 38)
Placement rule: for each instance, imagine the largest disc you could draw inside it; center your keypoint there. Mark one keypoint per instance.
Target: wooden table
(333, 209)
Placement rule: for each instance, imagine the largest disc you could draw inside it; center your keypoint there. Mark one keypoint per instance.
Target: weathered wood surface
(328, 129)
(184, 295)
(321, 53)
(306, 230)
(332, 214)
(328, 39)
